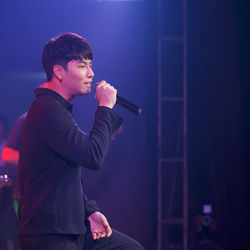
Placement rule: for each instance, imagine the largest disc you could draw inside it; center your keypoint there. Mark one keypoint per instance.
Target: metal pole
(185, 172)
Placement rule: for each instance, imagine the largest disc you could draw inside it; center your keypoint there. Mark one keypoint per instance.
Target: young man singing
(54, 212)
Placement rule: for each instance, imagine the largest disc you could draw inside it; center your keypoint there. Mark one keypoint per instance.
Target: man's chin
(86, 92)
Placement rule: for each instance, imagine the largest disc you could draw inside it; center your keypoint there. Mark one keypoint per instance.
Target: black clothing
(13, 142)
(52, 148)
(14, 137)
(78, 242)
(8, 218)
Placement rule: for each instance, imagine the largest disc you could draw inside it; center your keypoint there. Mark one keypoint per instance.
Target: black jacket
(52, 149)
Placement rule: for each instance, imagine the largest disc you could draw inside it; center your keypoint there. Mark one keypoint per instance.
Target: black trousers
(117, 241)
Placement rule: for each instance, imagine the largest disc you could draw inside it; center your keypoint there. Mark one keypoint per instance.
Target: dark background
(218, 62)
(124, 38)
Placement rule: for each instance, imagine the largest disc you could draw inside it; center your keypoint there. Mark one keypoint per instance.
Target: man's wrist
(106, 105)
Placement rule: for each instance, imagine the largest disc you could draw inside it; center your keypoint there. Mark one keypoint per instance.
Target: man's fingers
(99, 84)
(102, 235)
(97, 236)
(108, 232)
(94, 235)
(103, 84)
(107, 227)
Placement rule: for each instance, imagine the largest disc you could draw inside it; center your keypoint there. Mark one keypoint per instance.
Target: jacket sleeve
(56, 128)
(90, 205)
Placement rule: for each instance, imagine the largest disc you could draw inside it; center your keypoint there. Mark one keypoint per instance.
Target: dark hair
(62, 49)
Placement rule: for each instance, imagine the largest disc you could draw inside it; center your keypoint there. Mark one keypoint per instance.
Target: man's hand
(99, 226)
(105, 94)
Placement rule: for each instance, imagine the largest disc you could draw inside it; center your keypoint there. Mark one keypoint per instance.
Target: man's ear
(58, 72)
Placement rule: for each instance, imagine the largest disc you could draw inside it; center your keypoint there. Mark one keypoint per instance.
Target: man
(9, 196)
(54, 213)
(8, 218)
(10, 153)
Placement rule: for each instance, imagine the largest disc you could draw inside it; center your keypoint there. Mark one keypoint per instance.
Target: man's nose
(90, 73)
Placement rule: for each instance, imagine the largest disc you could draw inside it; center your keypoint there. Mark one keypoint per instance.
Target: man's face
(77, 78)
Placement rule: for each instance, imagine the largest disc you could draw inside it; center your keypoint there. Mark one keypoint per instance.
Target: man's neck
(56, 86)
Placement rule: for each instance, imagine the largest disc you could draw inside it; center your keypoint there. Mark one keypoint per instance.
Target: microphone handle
(128, 105)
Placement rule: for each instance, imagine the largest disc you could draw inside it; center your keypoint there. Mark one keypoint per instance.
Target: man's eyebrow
(82, 61)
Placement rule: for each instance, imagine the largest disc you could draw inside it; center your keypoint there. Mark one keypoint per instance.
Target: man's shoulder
(46, 102)
(47, 111)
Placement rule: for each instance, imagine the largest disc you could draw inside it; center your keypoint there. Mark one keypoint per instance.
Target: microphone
(128, 105)
(125, 103)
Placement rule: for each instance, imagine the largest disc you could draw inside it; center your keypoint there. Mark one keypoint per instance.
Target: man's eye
(85, 65)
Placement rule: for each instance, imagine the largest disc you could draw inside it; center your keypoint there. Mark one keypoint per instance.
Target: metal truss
(172, 197)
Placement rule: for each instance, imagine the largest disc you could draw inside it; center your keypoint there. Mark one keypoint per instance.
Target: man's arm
(56, 128)
(10, 156)
(10, 152)
(90, 205)
(99, 225)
